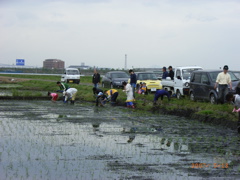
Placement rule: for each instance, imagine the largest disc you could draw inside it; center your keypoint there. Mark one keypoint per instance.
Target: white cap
(100, 93)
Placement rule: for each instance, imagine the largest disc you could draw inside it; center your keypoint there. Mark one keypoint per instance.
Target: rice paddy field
(43, 140)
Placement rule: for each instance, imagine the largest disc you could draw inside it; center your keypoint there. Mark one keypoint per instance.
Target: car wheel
(179, 94)
(102, 84)
(213, 99)
(192, 98)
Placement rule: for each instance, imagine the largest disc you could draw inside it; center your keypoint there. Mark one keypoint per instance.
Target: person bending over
(161, 93)
(70, 94)
(113, 94)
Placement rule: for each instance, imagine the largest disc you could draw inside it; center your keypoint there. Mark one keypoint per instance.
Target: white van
(180, 84)
(71, 75)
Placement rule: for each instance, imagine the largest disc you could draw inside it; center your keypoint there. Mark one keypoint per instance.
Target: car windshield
(120, 75)
(214, 75)
(146, 76)
(72, 72)
(187, 72)
(237, 74)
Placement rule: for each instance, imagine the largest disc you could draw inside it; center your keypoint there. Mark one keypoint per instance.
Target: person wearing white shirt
(70, 94)
(222, 82)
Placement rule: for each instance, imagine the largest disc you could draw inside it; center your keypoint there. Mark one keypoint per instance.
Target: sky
(152, 33)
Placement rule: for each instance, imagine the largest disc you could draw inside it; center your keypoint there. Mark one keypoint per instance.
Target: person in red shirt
(54, 96)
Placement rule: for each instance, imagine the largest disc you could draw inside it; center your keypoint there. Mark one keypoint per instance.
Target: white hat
(100, 94)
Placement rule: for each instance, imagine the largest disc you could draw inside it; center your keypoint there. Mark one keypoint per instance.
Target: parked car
(180, 83)
(71, 75)
(150, 79)
(114, 79)
(237, 73)
(202, 85)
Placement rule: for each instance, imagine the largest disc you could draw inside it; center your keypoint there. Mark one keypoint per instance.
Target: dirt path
(6, 79)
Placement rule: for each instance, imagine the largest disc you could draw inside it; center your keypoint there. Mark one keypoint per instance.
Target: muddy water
(44, 140)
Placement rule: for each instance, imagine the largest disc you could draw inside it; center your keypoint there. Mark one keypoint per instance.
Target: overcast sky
(153, 33)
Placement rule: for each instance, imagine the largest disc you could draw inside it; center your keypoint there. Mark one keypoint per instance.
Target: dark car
(202, 85)
(237, 73)
(114, 79)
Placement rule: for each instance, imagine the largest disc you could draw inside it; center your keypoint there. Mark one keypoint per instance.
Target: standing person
(161, 93)
(222, 82)
(53, 95)
(96, 79)
(165, 73)
(113, 94)
(129, 93)
(170, 73)
(70, 94)
(133, 81)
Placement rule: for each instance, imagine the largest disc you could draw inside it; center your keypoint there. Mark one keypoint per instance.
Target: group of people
(128, 88)
(69, 94)
(166, 74)
(223, 81)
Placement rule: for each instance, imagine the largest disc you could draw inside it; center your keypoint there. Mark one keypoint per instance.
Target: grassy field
(143, 102)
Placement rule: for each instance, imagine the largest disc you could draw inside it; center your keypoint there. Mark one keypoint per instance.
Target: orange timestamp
(206, 165)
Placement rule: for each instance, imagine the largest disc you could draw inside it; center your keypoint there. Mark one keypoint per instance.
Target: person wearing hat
(222, 82)
(102, 98)
(170, 73)
(165, 73)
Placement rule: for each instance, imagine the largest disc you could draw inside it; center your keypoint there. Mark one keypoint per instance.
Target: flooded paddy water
(45, 140)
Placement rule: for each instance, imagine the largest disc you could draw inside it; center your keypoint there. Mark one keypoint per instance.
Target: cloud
(102, 32)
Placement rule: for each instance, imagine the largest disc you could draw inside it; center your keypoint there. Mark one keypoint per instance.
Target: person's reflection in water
(95, 126)
(131, 138)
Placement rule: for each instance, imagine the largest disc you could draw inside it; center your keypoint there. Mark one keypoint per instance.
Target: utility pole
(125, 67)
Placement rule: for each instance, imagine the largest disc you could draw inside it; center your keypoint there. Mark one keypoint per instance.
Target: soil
(4, 79)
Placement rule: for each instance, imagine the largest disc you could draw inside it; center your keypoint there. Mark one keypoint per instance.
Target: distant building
(82, 66)
(53, 64)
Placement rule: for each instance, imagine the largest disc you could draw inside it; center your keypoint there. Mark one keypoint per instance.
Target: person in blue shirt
(133, 80)
(161, 93)
(165, 73)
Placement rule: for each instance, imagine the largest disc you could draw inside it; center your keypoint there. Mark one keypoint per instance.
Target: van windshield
(214, 75)
(72, 72)
(187, 72)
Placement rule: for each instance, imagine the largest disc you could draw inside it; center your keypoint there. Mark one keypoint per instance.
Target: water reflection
(83, 142)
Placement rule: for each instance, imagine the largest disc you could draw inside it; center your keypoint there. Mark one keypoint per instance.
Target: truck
(180, 83)
(71, 75)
